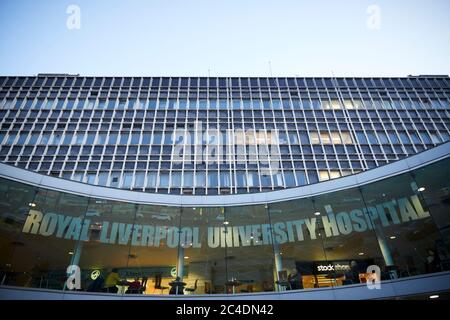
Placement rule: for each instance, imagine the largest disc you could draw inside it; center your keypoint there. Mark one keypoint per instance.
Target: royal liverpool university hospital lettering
(395, 211)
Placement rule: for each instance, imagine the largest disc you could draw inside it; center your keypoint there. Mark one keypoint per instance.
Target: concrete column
(180, 265)
(278, 263)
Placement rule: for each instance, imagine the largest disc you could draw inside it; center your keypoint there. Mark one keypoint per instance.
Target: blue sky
(227, 37)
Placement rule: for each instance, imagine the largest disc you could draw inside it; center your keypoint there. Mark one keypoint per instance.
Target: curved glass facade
(400, 224)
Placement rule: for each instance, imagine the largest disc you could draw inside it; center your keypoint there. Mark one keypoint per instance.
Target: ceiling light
(225, 222)
(317, 213)
(31, 204)
(186, 257)
(71, 252)
(361, 254)
(392, 237)
(421, 189)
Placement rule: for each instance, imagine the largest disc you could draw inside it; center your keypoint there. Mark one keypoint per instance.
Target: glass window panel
(347, 240)
(253, 268)
(346, 137)
(383, 137)
(402, 222)
(200, 179)
(314, 137)
(297, 244)
(164, 180)
(188, 179)
(336, 138)
(139, 180)
(112, 138)
(176, 180)
(212, 179)
(325, 137)
(151, 179)
(323, 175)
(204, 249)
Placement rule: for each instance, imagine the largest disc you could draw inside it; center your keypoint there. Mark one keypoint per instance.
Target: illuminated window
(336, 138)
(335, 104)
(326, 104)
(358, 104)
(334, 174)
(325, 137)
(323, 175)
(348, 104)
(314, 138)
(346, 137)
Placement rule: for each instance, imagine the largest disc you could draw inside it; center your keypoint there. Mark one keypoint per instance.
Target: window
(151, 179)
(325, 137)
(164, 180)
(334, 174)
(289, 179)
(139, 180)
(127, 178)
(90, 138)
(200, 179)
(293, 138)
(123, 138)
(314, 137)
(346, 137)
(361, 137)
(102, 178)
(348, 104)
(225, 179)
(176, 179)
(212, 179)
(112, 138)
(323, 175)
(435, 138)
(415, 138)
(372, 137)
(157, 138)
(45, 138)
(336, 138)
(79, 138)
(393, 137)
(188, 180)
(383, 137)
(135, 137)
(404, 137)
(22, 138)
(101, 139)
(90, 178)
(301, 178)
(115, 180)
(241, 179)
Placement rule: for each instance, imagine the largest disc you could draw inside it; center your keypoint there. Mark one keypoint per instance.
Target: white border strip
(419, 160)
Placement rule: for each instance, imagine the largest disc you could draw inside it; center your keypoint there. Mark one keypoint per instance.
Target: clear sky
(226, 37)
